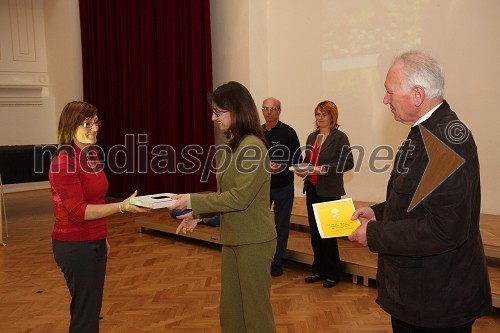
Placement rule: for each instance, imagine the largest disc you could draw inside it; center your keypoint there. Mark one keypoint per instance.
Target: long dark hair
(234, 97)
(72, 116)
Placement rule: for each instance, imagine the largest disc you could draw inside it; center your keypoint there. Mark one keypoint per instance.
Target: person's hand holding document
(153, 201)
(128, 205)
(365, 215)
(334, 218)
(181, 201)
(277, 167)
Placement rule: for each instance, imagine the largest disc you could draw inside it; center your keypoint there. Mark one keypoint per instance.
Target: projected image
(356, 32)
(360, 38)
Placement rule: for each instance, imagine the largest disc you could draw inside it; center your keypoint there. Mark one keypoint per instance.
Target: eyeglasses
(90, 124)
(217, 112)
(267, 108)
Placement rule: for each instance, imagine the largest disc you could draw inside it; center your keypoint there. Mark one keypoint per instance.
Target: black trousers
(84, 267)
(326, 251)
(399, 326)
(283, 204)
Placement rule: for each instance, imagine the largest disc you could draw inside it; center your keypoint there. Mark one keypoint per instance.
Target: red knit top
(74, 185)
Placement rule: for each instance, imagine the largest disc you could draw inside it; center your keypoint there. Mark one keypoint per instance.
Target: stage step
(356, 260)
(489, 225)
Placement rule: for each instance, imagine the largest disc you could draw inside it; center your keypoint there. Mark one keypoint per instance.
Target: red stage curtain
(147, 67)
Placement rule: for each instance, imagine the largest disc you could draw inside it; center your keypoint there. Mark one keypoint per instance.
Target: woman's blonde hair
(330, 108)
(72, 116)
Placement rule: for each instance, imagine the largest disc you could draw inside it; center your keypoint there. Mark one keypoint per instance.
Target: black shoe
(330, 283)
(276, 270)
(314, 278)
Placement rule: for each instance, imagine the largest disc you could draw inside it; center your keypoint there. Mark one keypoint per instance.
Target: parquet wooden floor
(162, 283)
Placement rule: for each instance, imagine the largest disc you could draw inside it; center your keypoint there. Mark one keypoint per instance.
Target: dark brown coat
(431, 269)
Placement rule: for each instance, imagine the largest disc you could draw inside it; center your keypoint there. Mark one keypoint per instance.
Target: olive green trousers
(245, 304)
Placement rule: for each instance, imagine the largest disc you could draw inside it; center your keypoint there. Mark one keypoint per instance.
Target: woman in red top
(79, 186)
(330, 152)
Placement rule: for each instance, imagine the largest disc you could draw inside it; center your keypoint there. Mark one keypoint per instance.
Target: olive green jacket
(243, 195)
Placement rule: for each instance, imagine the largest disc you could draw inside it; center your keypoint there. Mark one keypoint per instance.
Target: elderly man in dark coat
(432, 274)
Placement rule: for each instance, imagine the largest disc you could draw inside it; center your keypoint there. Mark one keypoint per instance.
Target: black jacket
(432, 270)
(337, 156)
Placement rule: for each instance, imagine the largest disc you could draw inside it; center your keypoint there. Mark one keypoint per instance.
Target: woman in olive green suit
(248, 234)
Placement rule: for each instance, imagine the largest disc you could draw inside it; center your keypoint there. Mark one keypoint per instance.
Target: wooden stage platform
(356, 260)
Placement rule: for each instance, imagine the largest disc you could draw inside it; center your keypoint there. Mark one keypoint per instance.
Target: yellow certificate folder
(334, 218)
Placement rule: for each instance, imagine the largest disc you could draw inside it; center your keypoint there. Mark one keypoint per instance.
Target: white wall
(26, 110)
(28, 125)
(60, 26)
(303, 52)
(64, 51)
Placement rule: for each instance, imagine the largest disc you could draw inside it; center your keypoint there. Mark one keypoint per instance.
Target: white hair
(420, 69)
